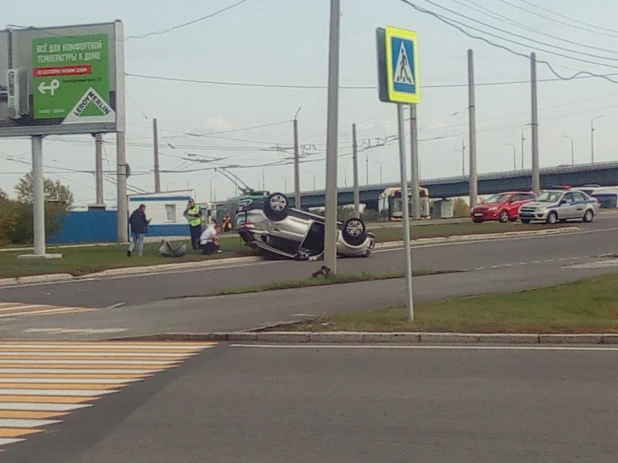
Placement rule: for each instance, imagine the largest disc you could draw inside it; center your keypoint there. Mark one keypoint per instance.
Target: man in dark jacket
(139, 227)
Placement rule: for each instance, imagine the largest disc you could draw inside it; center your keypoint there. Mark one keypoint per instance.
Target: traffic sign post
(398, 82)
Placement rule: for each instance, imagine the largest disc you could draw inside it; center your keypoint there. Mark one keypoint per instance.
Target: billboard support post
(38, 196)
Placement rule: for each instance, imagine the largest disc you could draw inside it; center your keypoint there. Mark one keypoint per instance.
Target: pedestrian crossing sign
(398, 66)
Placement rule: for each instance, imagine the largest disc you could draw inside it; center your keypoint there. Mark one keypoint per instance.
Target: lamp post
(514, 156)
(592, 137)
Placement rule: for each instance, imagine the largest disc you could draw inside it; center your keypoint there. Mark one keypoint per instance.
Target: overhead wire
(455, 24)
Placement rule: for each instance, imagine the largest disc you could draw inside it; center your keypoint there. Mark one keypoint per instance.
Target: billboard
(62, 80)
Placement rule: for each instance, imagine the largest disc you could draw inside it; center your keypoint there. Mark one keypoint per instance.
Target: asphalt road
(595, 239)
(250, 311)
(311, 404)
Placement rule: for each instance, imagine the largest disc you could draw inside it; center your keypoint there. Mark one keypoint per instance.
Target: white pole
(405, 209)
(38, 196)
(355, 166)
(330, 234)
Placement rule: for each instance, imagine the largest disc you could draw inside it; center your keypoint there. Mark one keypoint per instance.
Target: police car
(560, 205)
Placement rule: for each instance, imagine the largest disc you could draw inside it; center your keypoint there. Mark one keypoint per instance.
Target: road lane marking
(432, 347)
(14, 423)
(42, 382)
(45, 407)
(14, 309)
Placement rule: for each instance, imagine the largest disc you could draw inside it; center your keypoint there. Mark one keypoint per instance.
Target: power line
(523, 37)
(454, 24)
(580, 75)
(505, 19)
(165, 31)
(596, 30)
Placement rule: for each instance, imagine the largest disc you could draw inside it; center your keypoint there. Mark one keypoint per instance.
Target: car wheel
(354, 232)
(552, 218)
(588, 216)
(477, 221)
(525, 221)
(276, 207)
(504, 217)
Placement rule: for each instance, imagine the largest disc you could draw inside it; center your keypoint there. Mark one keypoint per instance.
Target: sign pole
(415, 180)
(355, 167)
(405, 209)
(38, 196)
(99, 169)
(330, 233)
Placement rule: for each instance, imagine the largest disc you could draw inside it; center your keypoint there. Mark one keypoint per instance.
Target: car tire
(525, 221)
(354, 232)
(588, 216)
(552, 218)
(477, 221)
(504, 217)
(276, 207)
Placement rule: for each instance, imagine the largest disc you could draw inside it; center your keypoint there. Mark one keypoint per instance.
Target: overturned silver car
(271, 225)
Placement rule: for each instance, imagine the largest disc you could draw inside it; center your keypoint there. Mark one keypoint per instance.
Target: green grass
(85, 260)
(446, 230)
(338, 279)
(586, 306)
(91, 259)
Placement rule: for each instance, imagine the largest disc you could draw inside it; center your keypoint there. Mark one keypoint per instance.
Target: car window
(549, 197)
(529, 197)
(579, 196)
(568, 197)
(500, 198)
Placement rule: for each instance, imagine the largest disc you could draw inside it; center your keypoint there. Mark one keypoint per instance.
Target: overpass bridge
(603, 174)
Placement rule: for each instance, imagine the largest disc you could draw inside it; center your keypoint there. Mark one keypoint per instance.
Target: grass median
(585, 306)
(91, 259)
(338, 279)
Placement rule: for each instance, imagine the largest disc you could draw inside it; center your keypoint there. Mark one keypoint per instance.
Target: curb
(59, 277)
(308, 337)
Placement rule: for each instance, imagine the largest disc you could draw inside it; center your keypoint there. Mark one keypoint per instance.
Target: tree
(461, 208)
(55, 192)
(3, 196)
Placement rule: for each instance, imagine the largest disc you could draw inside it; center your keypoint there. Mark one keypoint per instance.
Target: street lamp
(514, 155)
(572, 149)
(592, 137)
(523, 139)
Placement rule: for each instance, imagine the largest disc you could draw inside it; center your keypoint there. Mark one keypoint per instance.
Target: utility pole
(155, 140)
(330, 234)
(415, 177)
(296, 163)
(211, 196)
(263, 179)
(472, 120)
(121, 184)
(536, 179)
(99, 169)
(355, 167)
(367, 168)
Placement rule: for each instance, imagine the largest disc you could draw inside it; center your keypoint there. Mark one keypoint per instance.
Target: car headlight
(491, 209)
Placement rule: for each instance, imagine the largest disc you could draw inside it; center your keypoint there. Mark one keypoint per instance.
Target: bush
(461, 208)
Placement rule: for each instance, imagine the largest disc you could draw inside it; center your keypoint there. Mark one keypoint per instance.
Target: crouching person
(208, 240)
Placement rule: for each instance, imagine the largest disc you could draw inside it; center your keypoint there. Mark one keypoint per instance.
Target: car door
(579, 204)
(516, 203)
(567, 209)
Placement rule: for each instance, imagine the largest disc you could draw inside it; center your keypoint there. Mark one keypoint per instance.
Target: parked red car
(503, 207)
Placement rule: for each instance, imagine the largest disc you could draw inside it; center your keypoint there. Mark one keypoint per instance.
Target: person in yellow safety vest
(193, 214)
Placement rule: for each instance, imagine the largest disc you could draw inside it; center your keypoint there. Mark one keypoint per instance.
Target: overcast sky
(286, 42)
